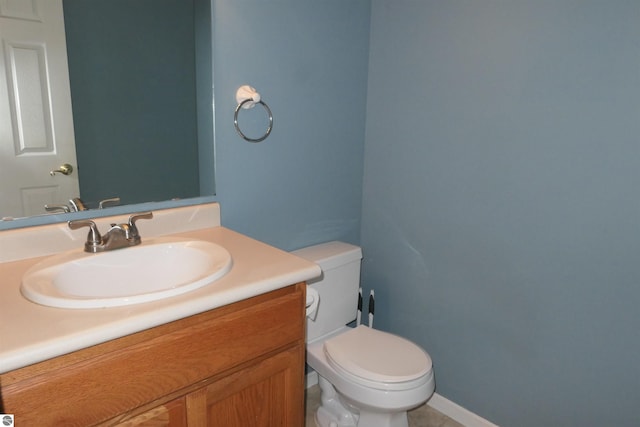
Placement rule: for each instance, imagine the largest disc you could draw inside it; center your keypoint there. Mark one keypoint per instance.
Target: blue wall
(501, 210)
(308, 60)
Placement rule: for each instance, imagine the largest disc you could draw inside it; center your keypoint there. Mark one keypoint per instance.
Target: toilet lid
(377, 356)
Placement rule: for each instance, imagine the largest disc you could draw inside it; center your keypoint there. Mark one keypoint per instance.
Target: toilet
(367, 377)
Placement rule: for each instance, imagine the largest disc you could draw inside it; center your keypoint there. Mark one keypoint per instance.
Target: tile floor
(424, 416)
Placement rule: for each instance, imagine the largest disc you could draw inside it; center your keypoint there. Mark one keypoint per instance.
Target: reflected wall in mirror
(141, 94)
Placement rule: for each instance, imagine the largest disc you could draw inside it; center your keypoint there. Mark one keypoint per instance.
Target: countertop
(31, 333)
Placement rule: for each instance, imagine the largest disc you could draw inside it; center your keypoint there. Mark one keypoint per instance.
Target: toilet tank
(338, 285)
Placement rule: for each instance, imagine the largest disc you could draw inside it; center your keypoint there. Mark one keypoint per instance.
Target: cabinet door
(171, 414)
(267, 394)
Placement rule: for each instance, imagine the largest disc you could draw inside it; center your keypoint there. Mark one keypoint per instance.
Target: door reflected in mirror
(140, 92)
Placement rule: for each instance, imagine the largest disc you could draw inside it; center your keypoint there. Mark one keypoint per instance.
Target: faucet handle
(111, 201)
(133, 229)
(94, 238)
(57, 208)
(142, 215)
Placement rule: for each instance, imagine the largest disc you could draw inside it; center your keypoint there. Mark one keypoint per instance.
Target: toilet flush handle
(313, 299)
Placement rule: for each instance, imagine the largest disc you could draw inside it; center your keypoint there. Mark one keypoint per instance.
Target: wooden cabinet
(250, 397)
(170, 414)
(239, 365)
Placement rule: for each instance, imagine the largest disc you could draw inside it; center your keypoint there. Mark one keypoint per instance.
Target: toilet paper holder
(247, 97)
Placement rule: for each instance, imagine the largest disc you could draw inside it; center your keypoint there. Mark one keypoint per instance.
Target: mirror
(141, 93)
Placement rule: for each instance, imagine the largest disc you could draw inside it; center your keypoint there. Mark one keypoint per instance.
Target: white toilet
(368, 378)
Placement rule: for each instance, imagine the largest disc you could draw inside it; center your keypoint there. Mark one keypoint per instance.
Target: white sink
(156, 269)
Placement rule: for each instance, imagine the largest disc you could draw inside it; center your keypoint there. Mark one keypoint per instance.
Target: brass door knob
(65, 169)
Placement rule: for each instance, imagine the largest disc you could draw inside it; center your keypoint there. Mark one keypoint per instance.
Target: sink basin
(157, 269)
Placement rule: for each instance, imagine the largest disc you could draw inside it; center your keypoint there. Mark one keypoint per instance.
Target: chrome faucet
(118, 236)
(75, 205)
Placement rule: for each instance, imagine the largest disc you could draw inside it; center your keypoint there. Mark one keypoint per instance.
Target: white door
(36, 123)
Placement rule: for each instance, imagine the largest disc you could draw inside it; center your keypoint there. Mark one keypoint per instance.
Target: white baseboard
(437, 402)
(457, 412)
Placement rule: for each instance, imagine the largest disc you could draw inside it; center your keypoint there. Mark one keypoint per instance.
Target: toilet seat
(378, 359)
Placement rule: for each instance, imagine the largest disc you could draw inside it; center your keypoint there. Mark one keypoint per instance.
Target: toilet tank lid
(331, 254)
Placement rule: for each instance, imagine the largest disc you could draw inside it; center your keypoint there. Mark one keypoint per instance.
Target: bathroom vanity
(239, 365)
(228, 354)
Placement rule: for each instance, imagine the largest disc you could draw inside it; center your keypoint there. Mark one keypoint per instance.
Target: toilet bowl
(372, 383)
(367, 377)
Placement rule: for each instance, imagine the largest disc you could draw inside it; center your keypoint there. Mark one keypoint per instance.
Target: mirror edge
(99, 213)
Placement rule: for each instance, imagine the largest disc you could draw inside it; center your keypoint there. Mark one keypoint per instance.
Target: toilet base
(335, 412)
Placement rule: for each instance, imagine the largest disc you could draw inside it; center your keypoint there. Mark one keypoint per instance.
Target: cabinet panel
(267, 394)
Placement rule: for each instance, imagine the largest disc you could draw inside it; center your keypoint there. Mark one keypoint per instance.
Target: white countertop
(31, 333)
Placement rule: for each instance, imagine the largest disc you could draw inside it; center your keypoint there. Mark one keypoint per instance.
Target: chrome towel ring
(247, 97)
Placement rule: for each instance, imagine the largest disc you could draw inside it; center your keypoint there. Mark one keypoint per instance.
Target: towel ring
(235, 120)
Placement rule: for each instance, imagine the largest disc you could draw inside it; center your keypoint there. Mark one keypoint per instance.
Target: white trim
(457, 412)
